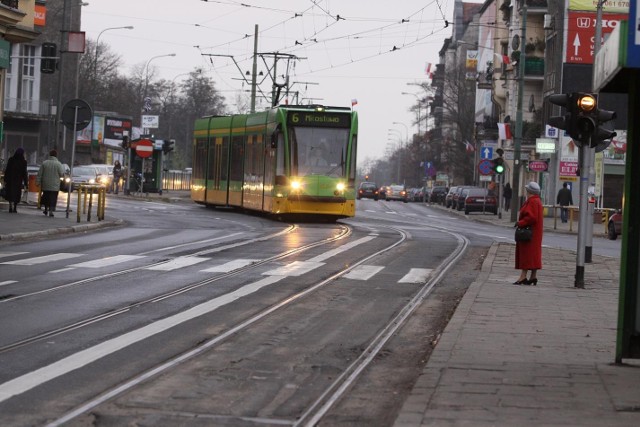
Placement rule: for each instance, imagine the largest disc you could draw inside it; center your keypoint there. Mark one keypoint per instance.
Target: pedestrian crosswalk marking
(363, 272)
(230, 266)
(43, 259)
(179, 262)
(296, 268)
(416, 275)
(106, 262)
(8, 282)
(8, 254)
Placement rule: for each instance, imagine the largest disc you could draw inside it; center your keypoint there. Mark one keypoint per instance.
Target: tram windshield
(319, 151)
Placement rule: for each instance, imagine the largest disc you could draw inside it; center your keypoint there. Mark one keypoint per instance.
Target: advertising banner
(471, 65)
(581, 30)
(114, 130)
(617, 6)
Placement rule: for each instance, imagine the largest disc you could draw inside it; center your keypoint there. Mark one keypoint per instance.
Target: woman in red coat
(529, 254)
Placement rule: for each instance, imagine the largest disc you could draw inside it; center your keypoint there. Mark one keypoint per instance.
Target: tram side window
(199, 159)
(352, 164)
(237, 154)
(280, 164)
(224, 159)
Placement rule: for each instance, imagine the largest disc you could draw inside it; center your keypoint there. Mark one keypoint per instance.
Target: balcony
(13, 4)
(26, 107)
(533, 66)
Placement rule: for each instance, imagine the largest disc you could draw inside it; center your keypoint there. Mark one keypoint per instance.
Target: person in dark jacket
(564, 199)
(15, 178)
(506, 194)
(529, 254)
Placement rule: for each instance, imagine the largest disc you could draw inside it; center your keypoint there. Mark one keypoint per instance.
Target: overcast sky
(345, 58)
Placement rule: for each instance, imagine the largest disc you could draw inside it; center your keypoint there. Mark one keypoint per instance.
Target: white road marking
(193, 243)
(75, 361)
(363, 272)
(8, 282)
(106, 262)
(62, 270)
(343, 248)
(8, 254)
(416, 275)
(179, 262)
(296, 268)
(230, 266)
(42, 259)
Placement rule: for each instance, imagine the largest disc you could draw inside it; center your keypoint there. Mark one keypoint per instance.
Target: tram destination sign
(319, 119)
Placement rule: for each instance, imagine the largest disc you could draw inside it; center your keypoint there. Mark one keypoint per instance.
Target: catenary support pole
(584, 212)
(515, 201)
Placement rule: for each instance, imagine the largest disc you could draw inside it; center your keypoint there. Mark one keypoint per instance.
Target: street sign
(144, 148)
(581, 28)
(485, 167)
(76, 114)
(486, 152)
(538, 166)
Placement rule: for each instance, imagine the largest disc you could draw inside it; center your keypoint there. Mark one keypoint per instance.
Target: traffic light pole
(584, 215)
(515, 201)
(591, 178)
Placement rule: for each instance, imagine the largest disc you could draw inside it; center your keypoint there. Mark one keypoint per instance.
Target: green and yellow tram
(287, 161)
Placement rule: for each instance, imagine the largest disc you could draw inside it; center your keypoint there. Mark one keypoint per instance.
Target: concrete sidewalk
(517, 355)
(30, 223)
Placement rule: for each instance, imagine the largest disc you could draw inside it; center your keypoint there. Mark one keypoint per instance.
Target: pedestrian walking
(15, 179)
(529, 253)
(506, 194)
(564, 199)
(48, 179)
(117, 175)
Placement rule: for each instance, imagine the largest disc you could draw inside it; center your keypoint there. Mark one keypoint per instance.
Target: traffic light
(498, 165)
(48, 58)
(581, 118)
(602, 137)
(167, 145)
(125, 142)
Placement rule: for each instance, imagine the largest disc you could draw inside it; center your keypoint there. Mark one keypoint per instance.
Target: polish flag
(470, 147)
(504, 131)
(354, 102)
(427, 69)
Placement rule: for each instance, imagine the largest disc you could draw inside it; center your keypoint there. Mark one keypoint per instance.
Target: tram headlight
(340, 186)
(296, 185)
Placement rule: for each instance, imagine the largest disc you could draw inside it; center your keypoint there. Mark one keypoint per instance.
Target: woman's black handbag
(523, 234)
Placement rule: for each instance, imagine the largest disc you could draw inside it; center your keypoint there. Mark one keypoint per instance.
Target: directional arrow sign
(486, 153)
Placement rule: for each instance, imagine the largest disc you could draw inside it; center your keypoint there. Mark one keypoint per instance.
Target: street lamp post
(420, 101)
(146, 76)
(95, 62)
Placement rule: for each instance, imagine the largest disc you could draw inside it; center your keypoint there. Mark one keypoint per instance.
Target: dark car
(457, 202)
(438, 193)
(479, 200)
(614, 226)
(368, 190)
(396, 192)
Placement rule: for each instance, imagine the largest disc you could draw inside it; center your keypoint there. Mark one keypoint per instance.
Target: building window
(27, 78)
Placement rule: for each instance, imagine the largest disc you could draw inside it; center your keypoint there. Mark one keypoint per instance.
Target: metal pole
(73, 153)
(254, 71)
(61, 50)
(584, 214)
(515, 188)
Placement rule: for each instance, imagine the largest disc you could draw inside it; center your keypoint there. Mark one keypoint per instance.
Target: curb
(61, 230)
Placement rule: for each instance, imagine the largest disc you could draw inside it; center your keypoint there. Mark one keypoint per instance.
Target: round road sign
(76, 114)
(144, 148)
(485, 167)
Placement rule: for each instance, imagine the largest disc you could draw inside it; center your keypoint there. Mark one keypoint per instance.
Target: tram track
(342, 383)
(344, 232)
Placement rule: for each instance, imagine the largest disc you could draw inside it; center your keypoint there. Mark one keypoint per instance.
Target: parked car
(479, 200)
(368, 190)
(456, 203)
(614, 226)
(448, 200)
(397, 192)
(438, 194)
(417, 194)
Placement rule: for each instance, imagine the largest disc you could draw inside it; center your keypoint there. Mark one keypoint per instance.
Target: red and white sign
(581, 32)
(144, 148)
(568, 170)
(538, 166)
